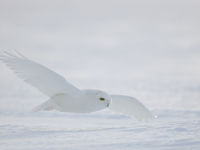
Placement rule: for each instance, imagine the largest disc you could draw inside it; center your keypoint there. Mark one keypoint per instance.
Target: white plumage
(65, 97)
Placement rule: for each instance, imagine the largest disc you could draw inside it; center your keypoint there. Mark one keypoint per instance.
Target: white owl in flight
(65, 97)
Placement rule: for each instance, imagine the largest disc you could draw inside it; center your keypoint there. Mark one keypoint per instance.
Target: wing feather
(48, 82)
(131, 107)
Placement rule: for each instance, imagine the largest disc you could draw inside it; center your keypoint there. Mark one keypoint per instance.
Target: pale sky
(116, 45)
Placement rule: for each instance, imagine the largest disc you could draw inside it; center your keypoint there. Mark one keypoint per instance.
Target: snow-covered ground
(172, 130)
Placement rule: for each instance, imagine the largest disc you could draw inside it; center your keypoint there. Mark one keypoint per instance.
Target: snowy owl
(65, 97)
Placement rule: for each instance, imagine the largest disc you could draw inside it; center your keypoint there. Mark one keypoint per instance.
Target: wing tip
(11, 54)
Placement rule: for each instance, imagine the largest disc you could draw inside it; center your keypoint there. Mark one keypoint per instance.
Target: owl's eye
(101, 98)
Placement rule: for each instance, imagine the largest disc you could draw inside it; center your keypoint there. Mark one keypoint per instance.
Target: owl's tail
(47, 106)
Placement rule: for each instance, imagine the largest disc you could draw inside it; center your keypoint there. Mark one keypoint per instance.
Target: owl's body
(88, 101)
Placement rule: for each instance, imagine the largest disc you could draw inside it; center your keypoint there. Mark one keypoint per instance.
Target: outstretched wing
(131, 107)
(42, 78)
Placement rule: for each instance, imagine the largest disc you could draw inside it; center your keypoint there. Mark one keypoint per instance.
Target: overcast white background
(149, 49)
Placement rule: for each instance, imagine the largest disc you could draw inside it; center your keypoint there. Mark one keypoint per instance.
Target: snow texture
(100, 130)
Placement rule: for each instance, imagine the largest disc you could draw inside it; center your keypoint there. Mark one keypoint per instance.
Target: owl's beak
(108, 104)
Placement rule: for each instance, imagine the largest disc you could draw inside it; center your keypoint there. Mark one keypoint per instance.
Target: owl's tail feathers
(47, 106)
